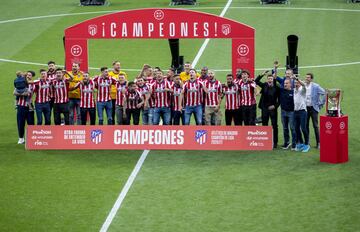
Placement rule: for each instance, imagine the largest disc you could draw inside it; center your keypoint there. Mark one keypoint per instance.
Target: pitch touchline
(190, 8)
(216, 70)
(143, 156)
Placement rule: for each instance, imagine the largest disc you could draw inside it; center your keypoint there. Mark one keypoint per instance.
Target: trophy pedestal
(334, 139)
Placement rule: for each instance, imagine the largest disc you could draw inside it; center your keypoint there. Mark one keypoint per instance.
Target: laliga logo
(92, 29)
(225, 29)
(328, 125)
(159, 14)
(342, 125)
(243, 50)
(76, 50)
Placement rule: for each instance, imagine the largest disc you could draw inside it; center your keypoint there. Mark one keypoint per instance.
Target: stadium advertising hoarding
(149, 137)
(161, 24)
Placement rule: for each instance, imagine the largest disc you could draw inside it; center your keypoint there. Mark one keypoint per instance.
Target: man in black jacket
(269, 102)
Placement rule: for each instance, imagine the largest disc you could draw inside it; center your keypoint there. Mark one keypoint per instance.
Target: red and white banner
(161, 24)
(149, 137)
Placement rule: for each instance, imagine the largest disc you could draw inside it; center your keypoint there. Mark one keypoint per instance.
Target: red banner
(161, 24)
(149, 137)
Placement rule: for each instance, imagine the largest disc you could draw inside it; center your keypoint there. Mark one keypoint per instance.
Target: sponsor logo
(41, 132)
(243, 50)
(76, 50)
(40, 143)
(226, 29)
(159, 14)
(92, 29)
(200, 136)
(328, 125)
(257, 132)
(96, 136)
(256, 144)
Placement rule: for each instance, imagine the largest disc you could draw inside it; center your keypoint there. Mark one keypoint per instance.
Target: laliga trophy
(333, 98)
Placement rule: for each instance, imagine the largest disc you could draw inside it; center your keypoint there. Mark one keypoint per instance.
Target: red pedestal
(334, 139)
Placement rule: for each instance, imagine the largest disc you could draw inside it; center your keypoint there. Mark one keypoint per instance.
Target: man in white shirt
(315, 99)
(300, 116)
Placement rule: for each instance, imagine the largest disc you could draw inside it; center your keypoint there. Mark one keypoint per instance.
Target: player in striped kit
(160, 91)
(231, 95)
(143, 88)
(213, 90)
(24, 114)
(248, 100)
(120, 90)
(42, 90)
(115, 73)
(51, 73)
(103, 84)
(60, 88)
(177, 106)
(87, 103)
(133, 103)
(193, 91)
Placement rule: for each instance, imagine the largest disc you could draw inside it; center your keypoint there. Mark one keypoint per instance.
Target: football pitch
(182, 190)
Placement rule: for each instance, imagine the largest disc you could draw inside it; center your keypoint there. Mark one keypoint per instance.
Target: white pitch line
(60, 65)
(203, 46)
(216, 70)
(189, 8)
(134, 173)
(124, 191)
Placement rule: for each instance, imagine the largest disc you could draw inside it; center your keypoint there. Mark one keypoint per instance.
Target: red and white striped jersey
(23, 100)
(104, 87)
(86, 94)
(177, 89)
(231, 94)
(237, 81)
(161, 96)
(247, 91)
(193, 91)
(132, 99)
(143, 90)
(42, 91)
(214, 92)
(60, 90)
(51, 76)
(152, 98)
(149, 79)
(120, 93)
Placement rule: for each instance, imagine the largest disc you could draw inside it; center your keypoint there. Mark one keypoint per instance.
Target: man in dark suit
(269, 102)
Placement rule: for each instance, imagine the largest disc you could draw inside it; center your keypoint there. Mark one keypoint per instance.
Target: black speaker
(92, 2)
(292, 59)
(273, 1)
(177, 62)
(182, 2)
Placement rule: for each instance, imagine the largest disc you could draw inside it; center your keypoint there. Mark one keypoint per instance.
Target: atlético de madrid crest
(200, 136)
(96, 136)
(92, 29)
(226, 29)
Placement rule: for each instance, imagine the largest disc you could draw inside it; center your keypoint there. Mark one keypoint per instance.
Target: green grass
(178, 190)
